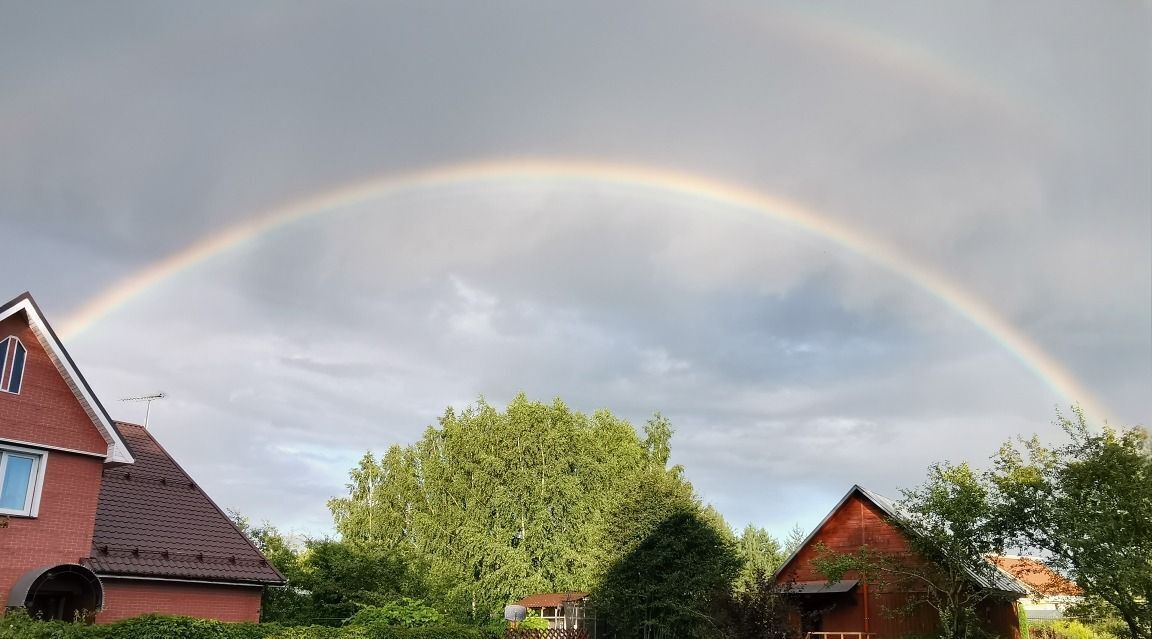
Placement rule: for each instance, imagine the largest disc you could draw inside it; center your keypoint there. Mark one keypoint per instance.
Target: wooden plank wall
(860, 522)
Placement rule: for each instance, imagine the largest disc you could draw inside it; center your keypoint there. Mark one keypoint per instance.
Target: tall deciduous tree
(1088, 504)
(499, 504)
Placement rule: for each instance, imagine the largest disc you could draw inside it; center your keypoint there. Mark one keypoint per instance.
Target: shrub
(406, 612)
(167, 627)
(17, 625)
(1065, 629)
(383, 631)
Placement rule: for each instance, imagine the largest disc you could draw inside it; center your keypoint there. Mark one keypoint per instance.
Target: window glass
(12, 354)
(14, 493)
(17, 373)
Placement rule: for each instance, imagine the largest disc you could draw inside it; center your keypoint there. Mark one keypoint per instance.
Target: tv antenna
(147, 399)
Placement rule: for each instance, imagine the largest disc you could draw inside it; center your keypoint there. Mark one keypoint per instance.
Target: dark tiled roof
(154, 521)
(551, 599)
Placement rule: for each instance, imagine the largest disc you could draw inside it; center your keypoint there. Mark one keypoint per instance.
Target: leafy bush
(533, 621)
(1065, 629)
(383, 631)
(165, 627)
(17, 625)
(406, 612)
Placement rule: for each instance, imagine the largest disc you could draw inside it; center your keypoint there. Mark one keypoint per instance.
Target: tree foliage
(1088, 505)
(329, 580)
(671, 562)
(405, 611)
(756, 610)
(495, 505)
(795, 539)
(760, 554)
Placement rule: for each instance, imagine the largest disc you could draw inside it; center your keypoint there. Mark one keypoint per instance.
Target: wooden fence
(551, 633)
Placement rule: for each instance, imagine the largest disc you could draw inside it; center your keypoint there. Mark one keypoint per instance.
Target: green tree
(795, 539)
(340, 577)
(1088, 505)
(757, 611)
(950, 531)
(760, 554)
(495, 505)
(672, 562)
(289, 603)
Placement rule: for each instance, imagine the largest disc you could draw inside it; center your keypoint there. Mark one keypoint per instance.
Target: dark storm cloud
(1004, 146)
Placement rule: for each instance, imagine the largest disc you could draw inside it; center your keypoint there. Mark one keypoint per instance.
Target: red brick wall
(125, 598)
(45, 411)
(62, 531)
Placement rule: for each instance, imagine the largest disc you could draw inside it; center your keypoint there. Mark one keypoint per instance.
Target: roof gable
(154, 521)
(117, 451)
(996, 579)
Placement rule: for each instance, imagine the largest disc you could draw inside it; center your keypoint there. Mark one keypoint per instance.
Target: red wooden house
(95, 517)
(854, 606)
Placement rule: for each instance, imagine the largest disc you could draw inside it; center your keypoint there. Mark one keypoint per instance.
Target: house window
(12, 372)
(21, 477)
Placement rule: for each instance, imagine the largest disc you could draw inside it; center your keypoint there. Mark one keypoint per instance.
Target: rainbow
(668, 182)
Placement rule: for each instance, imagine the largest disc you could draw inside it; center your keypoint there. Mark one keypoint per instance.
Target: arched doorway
(69, 592)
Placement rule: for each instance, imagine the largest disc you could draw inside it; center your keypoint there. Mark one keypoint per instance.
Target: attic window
(12, 371)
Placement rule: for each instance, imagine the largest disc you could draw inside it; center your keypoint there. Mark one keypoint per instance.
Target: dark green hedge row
(18, 626)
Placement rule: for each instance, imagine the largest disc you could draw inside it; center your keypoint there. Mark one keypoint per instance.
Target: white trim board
(244, 584)
(39, 446)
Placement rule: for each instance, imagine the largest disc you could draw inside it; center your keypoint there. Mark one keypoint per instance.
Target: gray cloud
(1007, 147)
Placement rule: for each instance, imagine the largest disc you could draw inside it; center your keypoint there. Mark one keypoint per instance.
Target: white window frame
(23, 365)
(32, 502)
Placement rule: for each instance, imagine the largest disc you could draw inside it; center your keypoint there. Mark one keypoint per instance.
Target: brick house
(856, 606)
(94, 514)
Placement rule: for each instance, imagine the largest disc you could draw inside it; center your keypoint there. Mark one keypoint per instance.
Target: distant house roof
(551, 599)
(154, 521)
(993, 579)
(1037, 577)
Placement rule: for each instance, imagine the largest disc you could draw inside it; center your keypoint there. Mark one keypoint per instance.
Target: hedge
(18, 626)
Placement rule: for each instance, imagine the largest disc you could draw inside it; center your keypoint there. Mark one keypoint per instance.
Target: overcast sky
(1005, 146)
